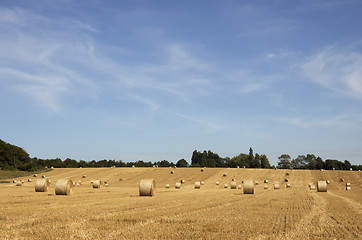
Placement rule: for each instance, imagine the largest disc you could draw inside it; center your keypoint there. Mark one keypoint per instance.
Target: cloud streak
(340, 72)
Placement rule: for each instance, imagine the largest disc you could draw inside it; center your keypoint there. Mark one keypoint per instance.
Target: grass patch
(16, 174)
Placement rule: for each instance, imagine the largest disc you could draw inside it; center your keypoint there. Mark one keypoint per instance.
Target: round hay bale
(42, 176)
(202, 170)
(97, 183)
(19, 183)
(202, 182)
(197, 185)
(147, 187)
(322, 170)
(348, 188)
(351, 169)
(239, 186)
(341, 179)
(322, 186)
(310, 184)
(287, 174)
(224, 175)
(328, 182)
(49, 181)
(29, 180)
(174, 166)
(177, 185)
(167, 185)
(238, 167)
(105, 182)
(233, 179)
(35, 175)
(312, 187)
(22, 180)
(217, 182)
(288, 185)
(106, 185)
(74, 184)
(14, 181)
(92, 182)
(243, 166)
(225, 185)
(256, 183)
(172, 172)
(265, 186)
(79, 182)
(248, 187)
(84, 176)
(286, 180)
(276, 186)
(133, 166)
(182, 181)
(233, 185)
(348, 184)
(64, 187)
(333, 169)
(52, 167)
(266, 181)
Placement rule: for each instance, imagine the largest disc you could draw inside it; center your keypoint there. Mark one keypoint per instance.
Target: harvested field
(117, 212)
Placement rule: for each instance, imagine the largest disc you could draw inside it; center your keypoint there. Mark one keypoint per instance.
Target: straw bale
(248, 187)
(147, 187)
(322, 186)
(64, 187)
(97, 183)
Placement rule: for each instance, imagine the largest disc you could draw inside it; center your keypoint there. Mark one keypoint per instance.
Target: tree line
(15, 158)
(310, 161)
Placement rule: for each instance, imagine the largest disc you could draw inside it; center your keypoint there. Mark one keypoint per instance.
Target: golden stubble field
(212, 212)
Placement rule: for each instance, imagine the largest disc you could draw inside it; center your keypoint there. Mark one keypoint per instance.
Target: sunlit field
(211, 212)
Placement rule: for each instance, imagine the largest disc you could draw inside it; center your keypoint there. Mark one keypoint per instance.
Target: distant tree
(163, 163)
(299, 163)
(196, 158)
(311, 161)
(319, 163)
(284, 161)
(257, 161)
(251, 161)
(70, 163)
(347, 165)
(182, 163)
(264, 162)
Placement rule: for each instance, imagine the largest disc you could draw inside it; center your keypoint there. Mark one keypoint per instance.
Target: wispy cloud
(342, 120)
(337, 70)
(208, 125)
(45, 89)
(152, 106)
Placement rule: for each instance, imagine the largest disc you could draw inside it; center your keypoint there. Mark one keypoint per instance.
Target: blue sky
(155, 80)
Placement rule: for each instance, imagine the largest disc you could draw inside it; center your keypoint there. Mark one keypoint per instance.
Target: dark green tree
(264, 162)
(182, 163)
(284, 161)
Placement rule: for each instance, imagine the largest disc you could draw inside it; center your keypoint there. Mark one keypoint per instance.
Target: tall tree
(264, 162)
(284, 161)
